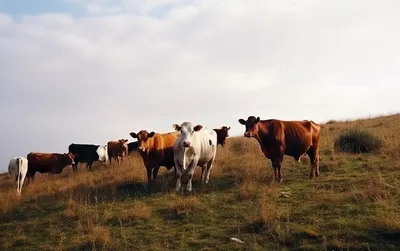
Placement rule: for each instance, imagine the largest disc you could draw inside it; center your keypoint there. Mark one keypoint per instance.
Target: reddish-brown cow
(222, 134)
(156, 150)
(48, 163)
(117, 149)
(278, 138)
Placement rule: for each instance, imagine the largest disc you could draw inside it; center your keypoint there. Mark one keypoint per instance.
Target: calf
(222, 134)
(117, 149)
(86, 153)
(156, 150)
(196, 146)
(278, 138)
(48, 163)
(17, 168)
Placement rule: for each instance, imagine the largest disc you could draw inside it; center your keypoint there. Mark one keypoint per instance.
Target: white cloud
(132, 65)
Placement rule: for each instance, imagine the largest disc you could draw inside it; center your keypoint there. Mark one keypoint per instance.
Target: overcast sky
(89, 71)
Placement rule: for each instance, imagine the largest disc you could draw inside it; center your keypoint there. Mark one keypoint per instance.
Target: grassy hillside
(353, 205)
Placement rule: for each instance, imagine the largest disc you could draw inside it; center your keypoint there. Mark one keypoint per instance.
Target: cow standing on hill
(86, 153)
(17, 168)
(222, 134)
(196, 146)
(156, 150)
(278, 138)
(117, 149)
(133, 147)
(48, 163)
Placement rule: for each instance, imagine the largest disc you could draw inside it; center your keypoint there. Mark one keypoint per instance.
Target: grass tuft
(358, 141)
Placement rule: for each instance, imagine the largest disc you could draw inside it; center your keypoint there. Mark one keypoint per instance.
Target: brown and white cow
(156, 150)
(48, 163)
(222, 134)
(117, 149)
(278, 138)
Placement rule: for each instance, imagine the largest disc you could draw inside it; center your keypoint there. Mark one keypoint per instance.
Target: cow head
(123, 141)
(251, 126)
(70, 158)
(223, 134)
(186, 130)
(142, 138)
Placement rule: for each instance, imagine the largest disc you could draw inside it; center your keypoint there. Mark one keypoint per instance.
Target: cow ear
(176, 127)
(242, 121)
(228, 128)
(197, 128)
(133, 135)
(151, 134)
(258, 119)
(125, 140)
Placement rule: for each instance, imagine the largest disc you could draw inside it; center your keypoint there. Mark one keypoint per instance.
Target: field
(353, 205)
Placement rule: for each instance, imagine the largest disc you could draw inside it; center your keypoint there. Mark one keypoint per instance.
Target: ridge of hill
(353, 204)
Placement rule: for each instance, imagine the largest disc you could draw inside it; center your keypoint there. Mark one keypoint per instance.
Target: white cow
(18, 167)
(195, 146)
(103, 154)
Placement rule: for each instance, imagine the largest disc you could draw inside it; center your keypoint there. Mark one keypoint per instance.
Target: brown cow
(156, 150)
(278, 138)
(117, 149)
(48, 163)
(222, 134)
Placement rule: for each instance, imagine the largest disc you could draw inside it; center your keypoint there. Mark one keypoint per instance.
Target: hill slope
(354, 204)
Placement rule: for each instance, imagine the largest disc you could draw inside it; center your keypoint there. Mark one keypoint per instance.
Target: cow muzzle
(186, 143)
(141, 149)
(248, 134)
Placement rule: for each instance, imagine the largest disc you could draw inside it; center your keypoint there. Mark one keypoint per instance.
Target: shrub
(357, 141)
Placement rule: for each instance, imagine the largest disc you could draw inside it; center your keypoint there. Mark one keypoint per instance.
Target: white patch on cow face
(187, 132)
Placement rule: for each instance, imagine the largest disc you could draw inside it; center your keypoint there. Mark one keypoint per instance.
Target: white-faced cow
(18, 167)
(88, 153)
(278, 138)
(195, 146)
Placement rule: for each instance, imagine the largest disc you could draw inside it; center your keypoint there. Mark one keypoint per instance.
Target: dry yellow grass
(354, 204)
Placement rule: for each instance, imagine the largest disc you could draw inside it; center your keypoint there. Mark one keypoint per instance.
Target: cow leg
(203, 173)
(175, 172)
(276, 164)
(190, 175)
(314, 162)
(209, 167)
(31, 175)
(155, 173)
(21, 183)
(178, 180)
(149, 181)
(89, 165)
(178, 174)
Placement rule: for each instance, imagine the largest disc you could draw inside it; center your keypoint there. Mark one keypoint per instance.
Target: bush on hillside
(357, 141)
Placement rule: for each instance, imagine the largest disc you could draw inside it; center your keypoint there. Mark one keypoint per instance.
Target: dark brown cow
(117, 149)
(48, 163)
(156, 150)
(222, 134)
(278, 138)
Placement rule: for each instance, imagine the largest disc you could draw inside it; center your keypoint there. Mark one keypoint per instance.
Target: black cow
(86, 153)
(132, 147)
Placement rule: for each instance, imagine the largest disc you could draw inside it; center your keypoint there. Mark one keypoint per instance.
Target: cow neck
(261, 137)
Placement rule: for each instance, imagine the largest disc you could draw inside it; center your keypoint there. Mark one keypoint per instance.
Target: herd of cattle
(185, 148)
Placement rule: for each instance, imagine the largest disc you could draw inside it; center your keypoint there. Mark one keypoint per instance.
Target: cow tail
(19, 164)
